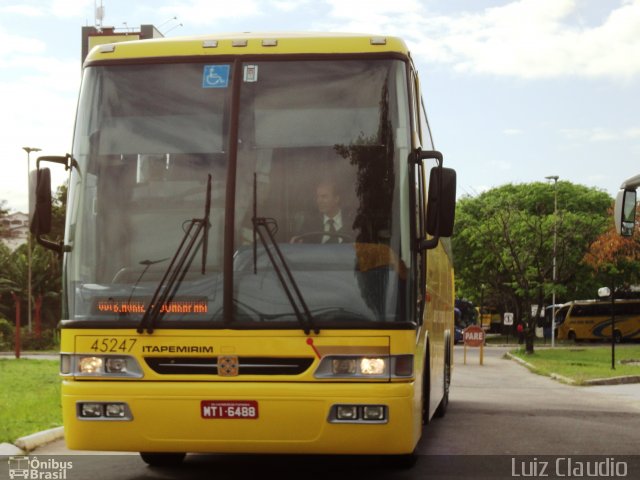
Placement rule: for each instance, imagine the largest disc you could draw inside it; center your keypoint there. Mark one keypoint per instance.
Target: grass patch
(584, 363)
(29, 397)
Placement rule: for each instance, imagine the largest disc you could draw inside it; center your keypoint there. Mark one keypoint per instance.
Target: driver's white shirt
(337, 224)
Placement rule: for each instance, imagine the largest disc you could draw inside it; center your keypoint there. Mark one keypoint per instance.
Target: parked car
(457, 337)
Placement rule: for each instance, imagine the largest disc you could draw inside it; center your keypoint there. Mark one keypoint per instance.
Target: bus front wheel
(162, 459)
(403, 462)
(444, 403)
(572, 336)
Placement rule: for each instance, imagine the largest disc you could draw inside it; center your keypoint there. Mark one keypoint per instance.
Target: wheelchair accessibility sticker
(215, 76)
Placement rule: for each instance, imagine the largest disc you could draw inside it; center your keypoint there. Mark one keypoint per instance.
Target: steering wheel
(346, 238)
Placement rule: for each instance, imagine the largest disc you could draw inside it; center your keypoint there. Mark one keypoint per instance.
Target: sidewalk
(31, 355)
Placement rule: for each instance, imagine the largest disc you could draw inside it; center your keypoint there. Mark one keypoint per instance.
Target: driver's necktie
(331, 230)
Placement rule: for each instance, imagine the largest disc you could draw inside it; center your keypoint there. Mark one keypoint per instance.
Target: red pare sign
(473, 336)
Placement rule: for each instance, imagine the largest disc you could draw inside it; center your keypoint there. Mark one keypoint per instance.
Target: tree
(3, 212)
(503, 240)
(616, 259)
(46, 277)
(59, 208)
(46, 272)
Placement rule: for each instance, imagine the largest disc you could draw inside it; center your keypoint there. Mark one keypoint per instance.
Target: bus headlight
(80, 365)
(343, 366)
(90, 365)
(373, 366)
(115, 365)
(380, 367)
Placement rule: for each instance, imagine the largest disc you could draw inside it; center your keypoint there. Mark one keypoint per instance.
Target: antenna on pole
(165, 22)
(99, 15)
(172, 28)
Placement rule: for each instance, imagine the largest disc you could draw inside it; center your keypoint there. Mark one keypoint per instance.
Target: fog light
(91, 410)
(90, 365)
(347, 412)
(114, 410)
(373, 412)
(343, 366)
(115, 365)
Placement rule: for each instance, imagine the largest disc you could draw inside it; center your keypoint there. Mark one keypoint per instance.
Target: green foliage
(45, 270)
(615, 259)
(581, 364)
(504, 243)
(6, 334)
(3, 212)
(45, 278)
(29, 341)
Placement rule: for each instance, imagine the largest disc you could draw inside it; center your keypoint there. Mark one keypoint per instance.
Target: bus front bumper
(289, 417)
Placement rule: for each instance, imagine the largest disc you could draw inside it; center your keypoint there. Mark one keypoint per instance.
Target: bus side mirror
(40, 198)
(625, 212)
(441, 207)
(441, 202)
(41, 215)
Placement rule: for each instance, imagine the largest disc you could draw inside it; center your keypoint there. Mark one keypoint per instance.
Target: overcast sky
(516, 90)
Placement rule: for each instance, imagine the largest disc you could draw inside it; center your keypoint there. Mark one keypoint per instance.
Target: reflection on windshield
(146, 139)
(325, 141)
(332, 188)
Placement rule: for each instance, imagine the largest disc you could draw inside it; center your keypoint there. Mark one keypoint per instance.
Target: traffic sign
(508, 318)
(473, 336)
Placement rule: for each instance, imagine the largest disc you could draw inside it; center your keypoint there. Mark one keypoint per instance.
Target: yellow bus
(491, 320)
(207, 307)
(591, 320)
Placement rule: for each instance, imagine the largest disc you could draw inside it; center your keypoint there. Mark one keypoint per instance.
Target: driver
(331, 217)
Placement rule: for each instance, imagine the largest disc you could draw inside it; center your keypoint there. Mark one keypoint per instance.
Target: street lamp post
(555, 246)
(29, 150)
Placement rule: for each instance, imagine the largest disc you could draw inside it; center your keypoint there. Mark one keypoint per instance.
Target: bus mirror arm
(441, 202)
(40, 216)
(429, 243)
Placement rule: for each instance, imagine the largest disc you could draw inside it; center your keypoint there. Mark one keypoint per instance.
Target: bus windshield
(306, 160)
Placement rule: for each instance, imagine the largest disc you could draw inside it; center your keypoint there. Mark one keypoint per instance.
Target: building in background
(98, 35)
(14, 229)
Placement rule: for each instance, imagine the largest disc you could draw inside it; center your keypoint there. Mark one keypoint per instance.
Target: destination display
(121, 305)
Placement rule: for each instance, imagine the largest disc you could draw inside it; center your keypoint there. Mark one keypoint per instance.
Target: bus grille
(246, 365)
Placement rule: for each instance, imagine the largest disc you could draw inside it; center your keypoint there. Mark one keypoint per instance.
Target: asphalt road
(501, 419)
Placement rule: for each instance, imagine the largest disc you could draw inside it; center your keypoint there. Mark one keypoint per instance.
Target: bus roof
(248, 44)
(597, 301)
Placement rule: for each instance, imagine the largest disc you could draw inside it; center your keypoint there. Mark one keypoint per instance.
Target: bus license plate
(232, 409)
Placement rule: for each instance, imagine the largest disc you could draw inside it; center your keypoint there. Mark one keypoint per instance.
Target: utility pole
(555, 246)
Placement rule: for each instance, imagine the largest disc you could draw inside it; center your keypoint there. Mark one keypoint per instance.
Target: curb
(614, 380)
(28, 443)
(570, 381)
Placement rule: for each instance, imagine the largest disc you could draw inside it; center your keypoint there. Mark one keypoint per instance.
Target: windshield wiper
(265, 228)
(195, 234)
(147, 264)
